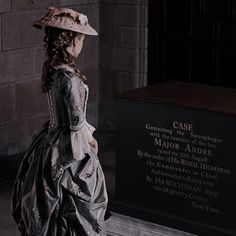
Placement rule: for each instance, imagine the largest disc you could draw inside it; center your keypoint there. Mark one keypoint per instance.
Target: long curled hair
(56, 41)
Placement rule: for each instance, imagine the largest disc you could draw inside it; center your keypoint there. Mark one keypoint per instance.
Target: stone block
(108, 1)
(92, 114)
(106, 86)
(107, 121)
(92, 12)
(5, 5)
(134, 37)
(109, 31)
(130, 60)
(144, 16)
(20, 133)
(120, 81)
(125, 60)
(89, 54)
(107, 14)
(92, 81)
(30, 101)
(141, 79)
(143, 61)
(23, 35)
(106, 56)
(7, 103)
(123, 82)
(16, 136)
(4, 140)
(134, 2)
(109, 35)
(0, 34)
(33, 4)
(73, 2)
(126, 81)
(131, 15)
(112, 82)
(143, 42)
(39, 59)
(16, 65)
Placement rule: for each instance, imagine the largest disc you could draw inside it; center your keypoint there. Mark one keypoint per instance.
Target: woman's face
(76, 46)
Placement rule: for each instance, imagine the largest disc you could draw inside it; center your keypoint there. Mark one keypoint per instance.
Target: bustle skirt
(55, 194)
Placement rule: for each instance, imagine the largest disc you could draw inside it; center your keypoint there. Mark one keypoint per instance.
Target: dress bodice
(67, 101)
(67, 84)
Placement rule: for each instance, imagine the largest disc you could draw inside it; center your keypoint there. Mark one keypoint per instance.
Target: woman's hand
(94, 144)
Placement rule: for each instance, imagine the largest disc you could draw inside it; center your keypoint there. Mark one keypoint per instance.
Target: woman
(60, 187)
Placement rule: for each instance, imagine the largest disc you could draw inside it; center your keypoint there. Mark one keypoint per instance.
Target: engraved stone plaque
(175, 159)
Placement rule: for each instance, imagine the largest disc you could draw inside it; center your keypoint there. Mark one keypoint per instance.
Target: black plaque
(176, 155)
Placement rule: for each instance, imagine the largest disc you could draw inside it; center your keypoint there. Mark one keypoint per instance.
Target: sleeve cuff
(90, 128)
(80, 140)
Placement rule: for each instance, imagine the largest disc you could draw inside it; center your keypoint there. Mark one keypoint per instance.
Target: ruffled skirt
(56, 194)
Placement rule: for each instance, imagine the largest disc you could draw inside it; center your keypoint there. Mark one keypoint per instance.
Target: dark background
(193, 41)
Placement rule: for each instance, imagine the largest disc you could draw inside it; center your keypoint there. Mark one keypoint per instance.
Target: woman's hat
(65, 18)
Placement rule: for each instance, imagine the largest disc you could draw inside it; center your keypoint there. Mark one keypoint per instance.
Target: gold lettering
(183, 126)
(198, 150)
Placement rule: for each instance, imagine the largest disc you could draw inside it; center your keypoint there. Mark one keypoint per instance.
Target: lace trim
(64, 66)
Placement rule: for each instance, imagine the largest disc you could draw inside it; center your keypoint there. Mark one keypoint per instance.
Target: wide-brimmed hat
(65, 18)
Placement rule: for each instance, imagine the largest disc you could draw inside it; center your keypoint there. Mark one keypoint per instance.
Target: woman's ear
(74, 42)
(80, 36)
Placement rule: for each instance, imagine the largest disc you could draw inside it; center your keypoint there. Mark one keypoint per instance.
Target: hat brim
(66, 24)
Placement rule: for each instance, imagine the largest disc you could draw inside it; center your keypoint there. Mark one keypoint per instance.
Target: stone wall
(123, 54)
(23, 108)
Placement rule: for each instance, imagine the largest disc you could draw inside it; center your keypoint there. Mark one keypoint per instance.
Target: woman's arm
(72, 101)
(94, 144)
(75, 112)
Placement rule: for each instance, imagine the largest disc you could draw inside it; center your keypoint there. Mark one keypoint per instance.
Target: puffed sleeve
(81, 130)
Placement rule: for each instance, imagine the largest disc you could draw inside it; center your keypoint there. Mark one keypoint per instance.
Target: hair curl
(56, 41)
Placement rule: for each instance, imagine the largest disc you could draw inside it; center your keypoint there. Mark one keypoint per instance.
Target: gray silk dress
(60, 187)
